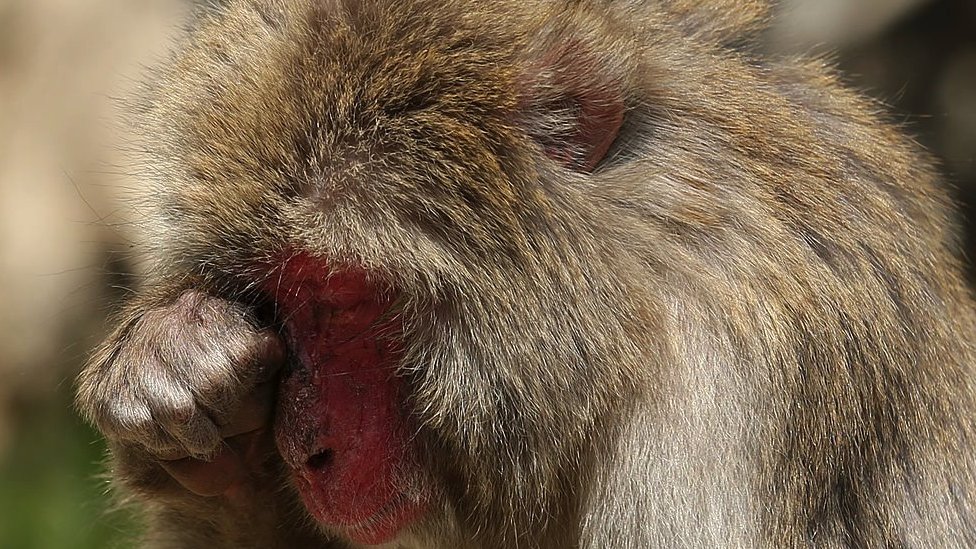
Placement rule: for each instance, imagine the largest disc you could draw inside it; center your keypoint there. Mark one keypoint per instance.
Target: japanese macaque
(546, 274)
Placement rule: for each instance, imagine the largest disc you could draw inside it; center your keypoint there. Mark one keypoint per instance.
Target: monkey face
(408, 185)
(549, 274)
(341, 425)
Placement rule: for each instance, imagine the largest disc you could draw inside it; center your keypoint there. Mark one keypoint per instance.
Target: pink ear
(600, 118)
(575, 86)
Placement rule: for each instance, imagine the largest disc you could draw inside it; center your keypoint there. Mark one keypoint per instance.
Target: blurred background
(64, 234)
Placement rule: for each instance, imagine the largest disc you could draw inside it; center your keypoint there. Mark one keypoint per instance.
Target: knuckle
(203, 439)
(126, 420)
(257, 356)
(184, 420)
(221, 400)
(175, 410)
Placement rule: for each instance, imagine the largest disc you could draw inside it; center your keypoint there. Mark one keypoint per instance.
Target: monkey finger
(242, 367)
(195, 432)
(207, 478)
(172, 453)
(253, 448)
(258, 358)
(254, 412)
(135, 425)
(269, 355)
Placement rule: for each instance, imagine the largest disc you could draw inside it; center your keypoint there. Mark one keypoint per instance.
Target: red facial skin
(339, 424)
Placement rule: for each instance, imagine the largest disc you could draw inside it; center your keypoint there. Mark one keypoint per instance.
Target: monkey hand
(189, 387)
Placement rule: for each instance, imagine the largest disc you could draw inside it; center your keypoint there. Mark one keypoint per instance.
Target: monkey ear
(574, 105)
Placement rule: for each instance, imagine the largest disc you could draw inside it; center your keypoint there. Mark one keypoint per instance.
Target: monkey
(541, 274)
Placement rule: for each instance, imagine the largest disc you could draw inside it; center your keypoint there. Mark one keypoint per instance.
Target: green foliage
(51, 492)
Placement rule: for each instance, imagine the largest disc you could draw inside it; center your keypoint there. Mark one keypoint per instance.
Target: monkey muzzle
(339, 424)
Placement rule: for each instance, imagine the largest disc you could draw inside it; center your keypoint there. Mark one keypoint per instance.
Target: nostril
(320, 460)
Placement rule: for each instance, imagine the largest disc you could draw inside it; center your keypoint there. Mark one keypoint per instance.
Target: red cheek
(339, 423)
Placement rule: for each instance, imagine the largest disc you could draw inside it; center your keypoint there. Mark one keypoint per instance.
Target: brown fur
(746, 327)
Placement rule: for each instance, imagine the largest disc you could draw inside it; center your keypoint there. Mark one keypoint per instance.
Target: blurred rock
(955, 98)
(61, 61)
(806, 24)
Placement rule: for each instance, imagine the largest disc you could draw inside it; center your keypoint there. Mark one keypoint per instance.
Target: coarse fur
(744, 326)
